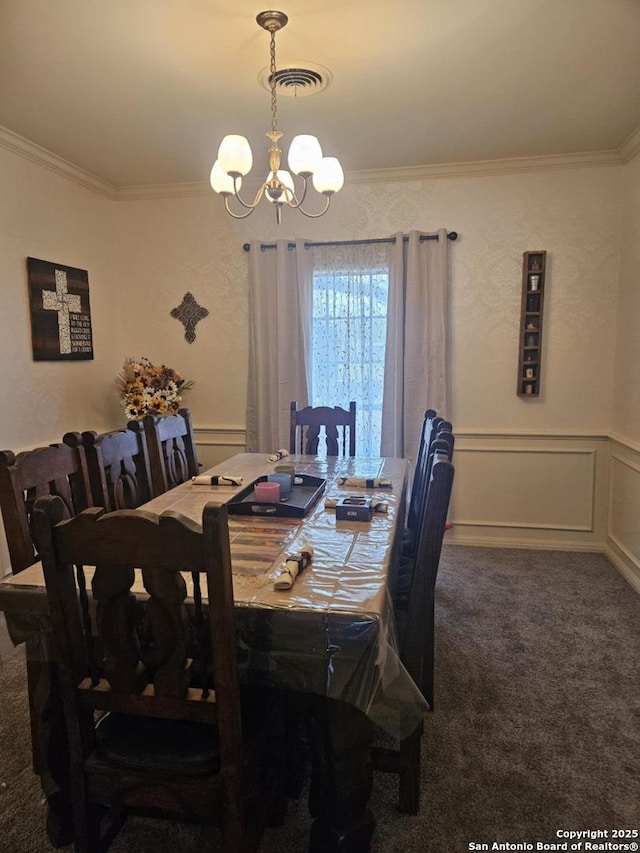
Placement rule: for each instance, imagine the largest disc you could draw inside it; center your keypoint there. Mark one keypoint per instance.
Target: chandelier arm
(295, 202)
(236, 215)
(291, 200)
(315, 215)
(248, 205)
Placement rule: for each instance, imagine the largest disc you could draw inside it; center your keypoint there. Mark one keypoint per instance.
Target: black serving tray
(300, 501)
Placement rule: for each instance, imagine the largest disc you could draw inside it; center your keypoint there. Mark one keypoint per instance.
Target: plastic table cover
(333, 632)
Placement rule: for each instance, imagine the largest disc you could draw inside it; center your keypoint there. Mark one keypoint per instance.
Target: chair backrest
(144, 661)
(172, 449)
(445, 434)
(339, 426)
(427, 433)
(59, 469)
(440, 431)
(419, 626)
(119, 468)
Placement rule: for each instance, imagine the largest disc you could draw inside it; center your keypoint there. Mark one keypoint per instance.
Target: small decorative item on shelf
(530, 341)
(150, 389)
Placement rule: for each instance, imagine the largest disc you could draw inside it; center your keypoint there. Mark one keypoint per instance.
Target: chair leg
(409, 773)
(428, 657)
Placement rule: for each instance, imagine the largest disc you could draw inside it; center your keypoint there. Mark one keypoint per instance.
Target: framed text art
(60, 312)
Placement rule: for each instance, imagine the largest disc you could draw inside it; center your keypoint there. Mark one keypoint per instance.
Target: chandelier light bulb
(329, 177)
(221, 182)
(234, 155)
(305, 155)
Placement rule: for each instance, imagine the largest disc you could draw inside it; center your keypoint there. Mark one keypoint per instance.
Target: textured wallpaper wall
(143, 256)
(174, 245)
(626, 410)
(44, 215)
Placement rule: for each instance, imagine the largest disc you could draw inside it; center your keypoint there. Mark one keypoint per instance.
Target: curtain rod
(451, 235)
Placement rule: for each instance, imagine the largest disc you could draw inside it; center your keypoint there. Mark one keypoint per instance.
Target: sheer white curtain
(331, 324)
(416, 352)
(350, 293)
(280, 291)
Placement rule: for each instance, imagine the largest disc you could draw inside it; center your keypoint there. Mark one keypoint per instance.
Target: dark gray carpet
(536, 727)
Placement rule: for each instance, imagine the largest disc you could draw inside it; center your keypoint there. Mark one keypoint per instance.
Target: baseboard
(548, 544)
(629, 570)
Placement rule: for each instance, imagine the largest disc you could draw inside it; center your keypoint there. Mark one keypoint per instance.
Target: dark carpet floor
(536, 727)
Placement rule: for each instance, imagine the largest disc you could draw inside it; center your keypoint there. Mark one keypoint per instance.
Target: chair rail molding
(217, 442)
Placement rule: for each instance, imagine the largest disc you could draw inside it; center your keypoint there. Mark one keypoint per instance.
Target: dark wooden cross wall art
(60, 312)
(189, 313)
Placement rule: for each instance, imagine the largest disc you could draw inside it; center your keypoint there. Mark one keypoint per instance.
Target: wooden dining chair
(416, 619)
(415, 627)
(439, 431)
(172, 449)
(59, 469)
(163, 745)
(427, 434)
(119, 467)
(339, 429)
(401, 590)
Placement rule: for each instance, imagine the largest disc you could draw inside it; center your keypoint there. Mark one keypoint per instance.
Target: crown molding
(480, 168)
(156, 191)
(631, 146)
(42, 157)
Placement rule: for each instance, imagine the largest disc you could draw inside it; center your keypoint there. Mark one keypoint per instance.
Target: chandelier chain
(274, 102)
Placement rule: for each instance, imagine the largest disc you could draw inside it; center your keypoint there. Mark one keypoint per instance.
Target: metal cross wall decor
(189, 313)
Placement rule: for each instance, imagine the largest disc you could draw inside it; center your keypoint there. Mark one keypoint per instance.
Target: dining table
(329, 638)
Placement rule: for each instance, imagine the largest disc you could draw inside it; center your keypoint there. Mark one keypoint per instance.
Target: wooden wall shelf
(531, 315)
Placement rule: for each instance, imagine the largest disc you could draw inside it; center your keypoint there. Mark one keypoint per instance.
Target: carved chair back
(339, 426)
(172, 449)
(59, 469)
(438, 438)
(119, 467)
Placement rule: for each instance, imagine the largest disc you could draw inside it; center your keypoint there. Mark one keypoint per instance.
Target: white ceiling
(140, 92)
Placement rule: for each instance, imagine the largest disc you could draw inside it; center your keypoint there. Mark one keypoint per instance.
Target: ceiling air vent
(297, 80)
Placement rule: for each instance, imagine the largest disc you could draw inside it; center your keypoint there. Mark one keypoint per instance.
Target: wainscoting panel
(623, 542)
(518, 490)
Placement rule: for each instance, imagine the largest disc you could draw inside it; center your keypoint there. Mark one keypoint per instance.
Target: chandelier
(305, 157)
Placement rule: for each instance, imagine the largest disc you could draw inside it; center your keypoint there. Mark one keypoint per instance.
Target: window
(350, 294)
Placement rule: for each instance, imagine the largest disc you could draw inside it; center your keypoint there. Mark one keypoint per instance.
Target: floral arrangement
(149, 389)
